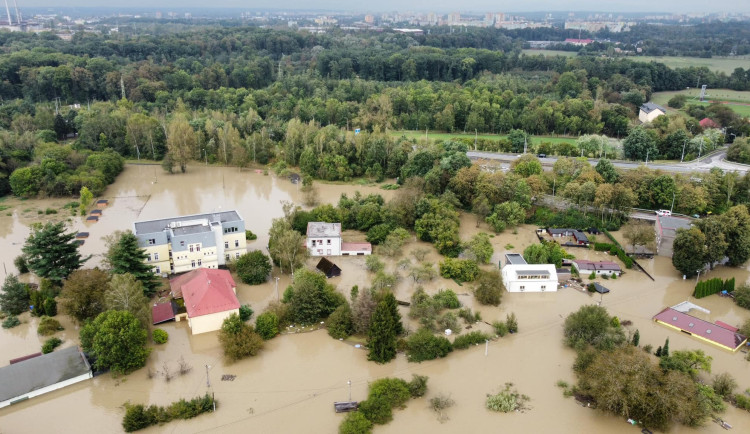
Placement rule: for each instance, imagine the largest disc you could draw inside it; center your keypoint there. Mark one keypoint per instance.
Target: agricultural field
(550, 53)
(738, 101)
(447, 136)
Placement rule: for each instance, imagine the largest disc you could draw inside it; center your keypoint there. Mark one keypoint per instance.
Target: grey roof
(674, 223)
(580, 236)
(152, 226)
(321, 229)
(194, 229)
(39, 372)
(515, 259)
(559, 231)
(532, 272)
(649, 107)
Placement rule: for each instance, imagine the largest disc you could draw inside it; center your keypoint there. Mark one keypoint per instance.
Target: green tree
(382, 335)
(83, 293)
(639, 234)
(238, 339)
(527, 165)
(14, 298)
(126, 293)
(569, 85)
(506, 215)
(592, 325)
(287, 246)
(390, 300)
(423, 345)
(737, 221)
(312, 297)
(742, 299)
(608, 171)
(489, 288)
(689, 362)
(636, 338)
(253, 267)
(267, 325)
(117, 340)
(51, 253)
(85, 199)
(340, 324)
(181, 141)
(355, 422)
(688, 251)
(639, 144)
(479, 248)
(124, 256)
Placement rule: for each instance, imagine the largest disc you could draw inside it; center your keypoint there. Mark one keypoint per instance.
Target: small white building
(607, 268)
(518, 276)
(324, 239)
(650, 111)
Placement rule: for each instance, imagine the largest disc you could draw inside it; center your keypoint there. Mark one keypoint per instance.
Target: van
(664, 213)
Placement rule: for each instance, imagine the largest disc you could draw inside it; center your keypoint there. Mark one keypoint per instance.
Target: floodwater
(291, 385)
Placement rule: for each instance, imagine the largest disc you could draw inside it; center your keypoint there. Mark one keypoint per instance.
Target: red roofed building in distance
(210, 297)
(715, 334)
(708, 123)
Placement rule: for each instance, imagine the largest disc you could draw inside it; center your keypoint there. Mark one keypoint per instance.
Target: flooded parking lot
(291, 385)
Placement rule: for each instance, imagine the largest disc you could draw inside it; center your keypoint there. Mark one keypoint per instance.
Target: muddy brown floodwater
(291, 385)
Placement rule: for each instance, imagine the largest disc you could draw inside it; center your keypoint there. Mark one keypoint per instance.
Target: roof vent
(690, 325)
(674, 318)
(708, 331)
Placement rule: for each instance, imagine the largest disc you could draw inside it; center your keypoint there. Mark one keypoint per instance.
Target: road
(717, 159)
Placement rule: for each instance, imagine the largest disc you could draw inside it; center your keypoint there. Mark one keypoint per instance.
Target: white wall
(513, 284)
(324, 249)
(209, 323)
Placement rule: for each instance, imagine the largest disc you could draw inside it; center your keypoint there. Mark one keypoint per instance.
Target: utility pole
(350, 388)
(683, 150)
(672, 208)
(647, 151)
(277, 289)
(205, 155)
(208, 382)
(486, 346)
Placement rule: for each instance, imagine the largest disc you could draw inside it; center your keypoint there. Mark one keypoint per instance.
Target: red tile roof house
(210, 297)
(714, 334)
(585, 267)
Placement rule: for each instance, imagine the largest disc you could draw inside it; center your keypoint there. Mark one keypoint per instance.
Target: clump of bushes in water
(473, 338)
(384, 395)
(160, 336)
(506, 400)
(21, 265)
(423, 345)
(50, 345)
(713, 286)
(250, 236)
(10, 322)
(509, 326)
(138, 416)
(463, 270)
(48, 326)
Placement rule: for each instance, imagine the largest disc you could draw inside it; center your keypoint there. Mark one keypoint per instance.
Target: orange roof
(205, 291)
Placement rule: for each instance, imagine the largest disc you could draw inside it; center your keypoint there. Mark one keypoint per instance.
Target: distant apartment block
(179, 244)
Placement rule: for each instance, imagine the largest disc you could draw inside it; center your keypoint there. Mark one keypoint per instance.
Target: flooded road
(291, 385)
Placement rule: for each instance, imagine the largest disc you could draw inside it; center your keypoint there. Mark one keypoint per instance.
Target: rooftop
(649, 107)
(322, 229)
(514, 259)
(698, 327)
(43, 371)
(152, 226)
(594, 265)
(205, 291)
(356, 247)
(674, 223)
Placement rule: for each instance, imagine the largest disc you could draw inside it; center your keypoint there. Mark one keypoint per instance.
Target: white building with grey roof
(519, 276)
(184, 243)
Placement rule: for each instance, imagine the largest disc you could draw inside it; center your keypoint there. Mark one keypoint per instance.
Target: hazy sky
(419, 5)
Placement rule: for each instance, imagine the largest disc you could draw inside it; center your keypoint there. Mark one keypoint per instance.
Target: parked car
(664, 213)
(542, 155)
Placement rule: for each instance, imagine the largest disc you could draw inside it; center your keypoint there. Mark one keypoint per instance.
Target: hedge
(139, 416)
(713, 286)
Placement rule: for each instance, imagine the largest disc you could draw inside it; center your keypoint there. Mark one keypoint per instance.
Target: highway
(704, 164)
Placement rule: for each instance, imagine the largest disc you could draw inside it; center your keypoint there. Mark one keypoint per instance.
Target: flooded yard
(291, 385)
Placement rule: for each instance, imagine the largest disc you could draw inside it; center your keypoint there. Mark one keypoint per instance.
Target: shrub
(464, 270)
(246, 312)
(374, 264)
(418, 385)
(48, 326)
(511, 322)
(742, 401)
(355, 423)
(378, 233)
(742, 296)
(253, 267)
(449, 320)
(489, 289)
(506, 400)
(340, 325)
(472, 338)
(238, 339)
(500, 328)
(467, 315)
(50, 306)
(377, 411)
(250, 236)
(394, 391)
(592, 276)
(50, 345)
(10, 322)
(138, 416)
(160, 336)
(423, 345)
(447, 299)
(724, 384)
(21, 265)
(267, 325)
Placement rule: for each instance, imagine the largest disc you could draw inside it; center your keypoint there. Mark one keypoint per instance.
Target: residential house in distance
(210, 297)
(666, 231)
(607, 268)
(324, 239)
(650, 111)
(42, 374)
(519, 276)
(179, 244)
(720, 335)
(579, 238)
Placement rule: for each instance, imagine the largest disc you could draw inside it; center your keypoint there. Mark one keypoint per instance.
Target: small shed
(164, 312)
(295, 178)
(102, 203)
(82, 235)
(92, 218)
(96, 212)
(328, 268)
(79, 242)
(600, 288)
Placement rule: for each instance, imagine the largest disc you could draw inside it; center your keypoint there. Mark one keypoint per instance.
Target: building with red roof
(715, 334)
(707, 123)
(210, 296)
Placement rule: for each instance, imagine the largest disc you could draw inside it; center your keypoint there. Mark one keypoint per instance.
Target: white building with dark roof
(518, 276)
(586, 267)
(650, 111)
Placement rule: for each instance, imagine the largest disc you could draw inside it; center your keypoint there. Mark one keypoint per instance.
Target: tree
(639, 144)
(340, 324)
(287, 246)
(479, 248)
(362, 309)
(724, 384)
(636, 338)
(688, 251)
(238, 339)
(390, 300)
(181, 141)
(85, 199)
(592, 325)
(355, 422)
(423, 345)
(267, 325)
(124, 256)
(51, 253)
(489, 288)
(526, 165)
(14, 298)
(481, 207)
(737, 221)
(253, 268)
(608, 171)
(639, 234)
(742, 299)
(506, 215)
(117, 340)
(312, 297)
(83, 292)
(546, 252)
(126, 293)
(382, 335)
(689, 362)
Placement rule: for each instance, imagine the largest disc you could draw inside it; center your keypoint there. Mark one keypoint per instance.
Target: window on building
(156, 256)
(544, 287)
(148, 257)
(152, 241)
(522, 288)
(200, 262)
(198, 248)
(237, 255)
(328, 242)
(226, 244)
(226, 257)
(236, 243)
(157, 270)
(182, 244)
(192, 264)
(191, 247)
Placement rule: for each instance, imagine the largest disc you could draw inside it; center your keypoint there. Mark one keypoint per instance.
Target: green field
(723, 95)
(550, 53)
(447, 136)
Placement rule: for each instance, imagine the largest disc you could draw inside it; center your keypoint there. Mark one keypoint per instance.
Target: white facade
(585, 268)
(209, 323)
(649, 112)
(530, 277)
(324, 239)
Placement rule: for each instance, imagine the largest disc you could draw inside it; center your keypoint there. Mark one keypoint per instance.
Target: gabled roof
(356, 247)
(649, 107)
(583, 264)
(205, 291)
(328, 268)
(163, 312)
(708, 123)
(698, 327)
(322, 229)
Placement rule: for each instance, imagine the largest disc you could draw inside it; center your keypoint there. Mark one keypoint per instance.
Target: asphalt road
(705, 164)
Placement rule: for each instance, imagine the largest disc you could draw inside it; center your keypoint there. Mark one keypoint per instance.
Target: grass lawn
(723, 95)
(446, 136)
(550, 53)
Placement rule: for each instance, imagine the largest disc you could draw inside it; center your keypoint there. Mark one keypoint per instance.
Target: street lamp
(683, 150)
(205, 154)
(277, 289)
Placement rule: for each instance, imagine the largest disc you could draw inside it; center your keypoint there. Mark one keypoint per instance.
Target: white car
(664, 213)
